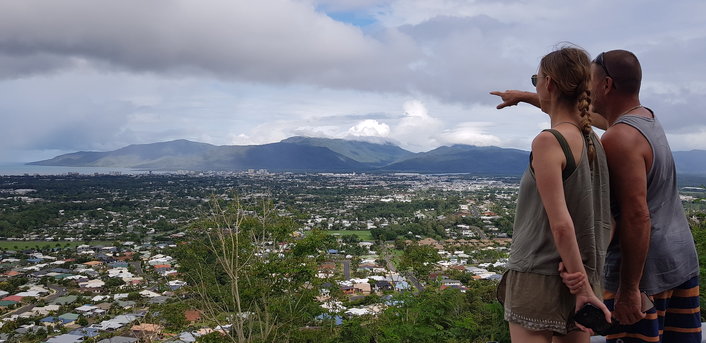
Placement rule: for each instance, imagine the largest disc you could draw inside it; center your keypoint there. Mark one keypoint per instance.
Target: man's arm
(629, 154)
(514, 97)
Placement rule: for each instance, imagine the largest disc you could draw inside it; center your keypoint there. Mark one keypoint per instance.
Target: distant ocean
(23, 169)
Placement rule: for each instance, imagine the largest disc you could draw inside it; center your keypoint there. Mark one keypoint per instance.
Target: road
(346, 268)
(410, 277)
(59, 291)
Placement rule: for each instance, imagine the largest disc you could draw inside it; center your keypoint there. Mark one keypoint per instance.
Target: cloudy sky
(103, 74)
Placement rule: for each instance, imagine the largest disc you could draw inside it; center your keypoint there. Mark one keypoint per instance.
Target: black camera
(593, 318)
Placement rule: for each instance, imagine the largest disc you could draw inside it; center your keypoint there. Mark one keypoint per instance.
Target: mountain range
(308, 154)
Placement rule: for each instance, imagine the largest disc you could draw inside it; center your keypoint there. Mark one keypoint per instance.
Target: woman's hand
(574, 281)
(586, 296)
(513, 97)
(579, 286)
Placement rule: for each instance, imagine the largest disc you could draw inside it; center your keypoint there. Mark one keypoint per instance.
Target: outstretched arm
(513, 97)
(598, 121)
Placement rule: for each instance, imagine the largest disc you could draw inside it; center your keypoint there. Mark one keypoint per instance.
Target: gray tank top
(587, 198)
(671, 258)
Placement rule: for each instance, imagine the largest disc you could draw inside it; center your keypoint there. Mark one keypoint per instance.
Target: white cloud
(469, 133)
(101, 74)
(417, 130)
(416, 109)
(270, 41)
(240, 139)
(328, 131)
(370, 128)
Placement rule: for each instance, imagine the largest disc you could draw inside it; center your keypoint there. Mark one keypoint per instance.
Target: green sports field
(364, 235)
(21, 245)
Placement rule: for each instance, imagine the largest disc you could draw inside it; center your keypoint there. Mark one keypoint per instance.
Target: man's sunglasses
(534, 80)
(599, 60)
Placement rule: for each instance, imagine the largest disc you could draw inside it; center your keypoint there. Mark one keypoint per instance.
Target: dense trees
(434, 316)
(419, 259)
(249, 272)
(173, 315)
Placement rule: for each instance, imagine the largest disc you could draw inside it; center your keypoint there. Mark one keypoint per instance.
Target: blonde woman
(563, 212)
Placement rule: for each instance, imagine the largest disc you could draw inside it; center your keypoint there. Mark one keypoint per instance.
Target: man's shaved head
(625, 70)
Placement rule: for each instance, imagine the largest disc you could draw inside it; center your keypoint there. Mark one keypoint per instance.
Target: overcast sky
(102, 74)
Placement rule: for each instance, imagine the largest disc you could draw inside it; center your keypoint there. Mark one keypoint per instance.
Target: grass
(364, 235)
(20, 245)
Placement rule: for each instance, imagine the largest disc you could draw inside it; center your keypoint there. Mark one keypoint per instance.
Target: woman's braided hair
(570, 69)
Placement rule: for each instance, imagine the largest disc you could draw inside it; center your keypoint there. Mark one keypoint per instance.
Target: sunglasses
(599, 60)
(534, 80)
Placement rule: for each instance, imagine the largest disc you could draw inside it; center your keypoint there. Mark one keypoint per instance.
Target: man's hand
(574, 281)
(628, 306)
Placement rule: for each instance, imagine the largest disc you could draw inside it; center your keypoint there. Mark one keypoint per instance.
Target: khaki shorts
(537, 302)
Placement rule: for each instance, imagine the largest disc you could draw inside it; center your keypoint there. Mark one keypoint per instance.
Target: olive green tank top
(586, 191)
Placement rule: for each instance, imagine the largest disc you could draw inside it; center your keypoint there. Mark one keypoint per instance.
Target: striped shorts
(676, 317)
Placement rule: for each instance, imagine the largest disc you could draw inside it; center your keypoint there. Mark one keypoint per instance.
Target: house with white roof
(357, 311)
(149, 294)
(120, 272)
(98, 298)
(38, 288)
(361, 280)
(176, 284)
(35, 268)
(94, 312)
(42, 310)
(96, 283)
(166, 272)
(108, 325)
(29, 294)
(160, 259)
